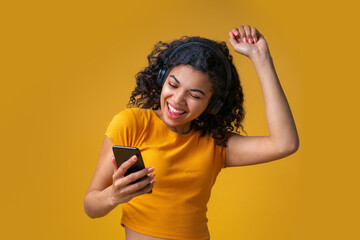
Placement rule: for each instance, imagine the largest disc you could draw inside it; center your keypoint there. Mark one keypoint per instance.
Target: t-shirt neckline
(155, 116)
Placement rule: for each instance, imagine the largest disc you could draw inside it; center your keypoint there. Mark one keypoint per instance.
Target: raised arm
(283, 138)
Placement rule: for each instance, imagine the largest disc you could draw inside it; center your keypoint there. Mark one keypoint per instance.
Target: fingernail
(244, 40)
(153, 181)
(255, 40)
(250, 41)
(150, 169)
(152, 175)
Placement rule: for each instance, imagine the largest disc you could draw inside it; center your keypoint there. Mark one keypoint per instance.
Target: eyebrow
(192, 89)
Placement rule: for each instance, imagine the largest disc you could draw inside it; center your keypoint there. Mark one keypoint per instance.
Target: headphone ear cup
(215, 106)
(161, 76)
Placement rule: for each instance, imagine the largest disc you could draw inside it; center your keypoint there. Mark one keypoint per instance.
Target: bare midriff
(132, 235)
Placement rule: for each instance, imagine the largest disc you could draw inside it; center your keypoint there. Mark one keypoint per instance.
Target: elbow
(294, 147)
(90, 215)
(296, 144)
(290, 147)
(96, 207)
(88, 209)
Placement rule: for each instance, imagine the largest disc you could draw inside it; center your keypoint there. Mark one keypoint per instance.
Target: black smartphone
(122, 154)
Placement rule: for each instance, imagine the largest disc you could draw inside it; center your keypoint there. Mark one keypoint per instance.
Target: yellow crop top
(186, 168)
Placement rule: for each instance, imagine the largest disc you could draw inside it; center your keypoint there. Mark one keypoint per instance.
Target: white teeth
(174, 110)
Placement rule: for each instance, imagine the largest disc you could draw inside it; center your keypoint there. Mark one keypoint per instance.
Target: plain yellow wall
(68, 66)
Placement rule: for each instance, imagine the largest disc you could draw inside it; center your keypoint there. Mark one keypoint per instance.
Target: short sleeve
(122, 129)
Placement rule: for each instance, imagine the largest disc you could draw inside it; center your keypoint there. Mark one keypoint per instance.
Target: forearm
(279, 118)
(97, 203)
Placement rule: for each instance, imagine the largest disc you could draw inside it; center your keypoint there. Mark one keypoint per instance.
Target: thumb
(114, 163)
(233, 42)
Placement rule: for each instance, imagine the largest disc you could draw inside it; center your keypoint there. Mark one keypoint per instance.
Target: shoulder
(139, 112)
(127, 125)
(136, 119)
(132, 114)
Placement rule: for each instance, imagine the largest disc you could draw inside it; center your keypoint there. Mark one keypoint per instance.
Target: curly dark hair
(201, 58)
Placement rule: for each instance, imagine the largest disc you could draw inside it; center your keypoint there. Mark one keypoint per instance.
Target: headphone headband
(217, 103)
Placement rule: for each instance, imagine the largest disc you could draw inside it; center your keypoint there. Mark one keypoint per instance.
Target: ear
(161, 77)
(214, 106)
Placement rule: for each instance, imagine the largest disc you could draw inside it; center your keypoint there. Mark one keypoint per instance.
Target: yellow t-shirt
(186, 168)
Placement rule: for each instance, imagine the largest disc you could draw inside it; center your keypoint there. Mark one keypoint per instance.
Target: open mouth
(174, 112)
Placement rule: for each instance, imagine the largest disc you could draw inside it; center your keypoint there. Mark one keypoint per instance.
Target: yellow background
(68, 66)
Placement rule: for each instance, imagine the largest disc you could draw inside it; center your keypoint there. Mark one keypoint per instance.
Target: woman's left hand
(248, 41)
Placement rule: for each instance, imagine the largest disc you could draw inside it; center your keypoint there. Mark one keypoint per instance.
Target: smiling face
(184, 96)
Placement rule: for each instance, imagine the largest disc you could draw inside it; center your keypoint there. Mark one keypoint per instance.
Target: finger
(248, 33)
(254, 34)
(136, 175)
(144, 190)
(231, 35)
(114, 163)
(132, 188)
(235, 32)
(242, 33)
(120, 172)
(233, 42)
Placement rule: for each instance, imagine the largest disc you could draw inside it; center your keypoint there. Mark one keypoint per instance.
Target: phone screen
(122, 154)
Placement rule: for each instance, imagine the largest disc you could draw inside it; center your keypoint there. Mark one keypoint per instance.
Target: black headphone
(216, 104)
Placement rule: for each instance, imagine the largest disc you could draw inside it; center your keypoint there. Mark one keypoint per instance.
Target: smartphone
(122, 154)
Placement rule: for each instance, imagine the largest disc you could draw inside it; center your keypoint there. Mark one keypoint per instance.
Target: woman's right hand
(122, 189)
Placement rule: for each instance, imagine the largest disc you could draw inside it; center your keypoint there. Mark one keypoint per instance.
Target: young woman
(187, 128)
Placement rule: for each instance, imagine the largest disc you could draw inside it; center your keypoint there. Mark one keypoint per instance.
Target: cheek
(198, 106)
(164, 93)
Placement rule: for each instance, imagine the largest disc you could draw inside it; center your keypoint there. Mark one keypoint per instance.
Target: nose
(179, 96)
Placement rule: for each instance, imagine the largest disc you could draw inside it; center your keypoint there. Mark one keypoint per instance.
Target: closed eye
(171, 85)
(192, 95)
